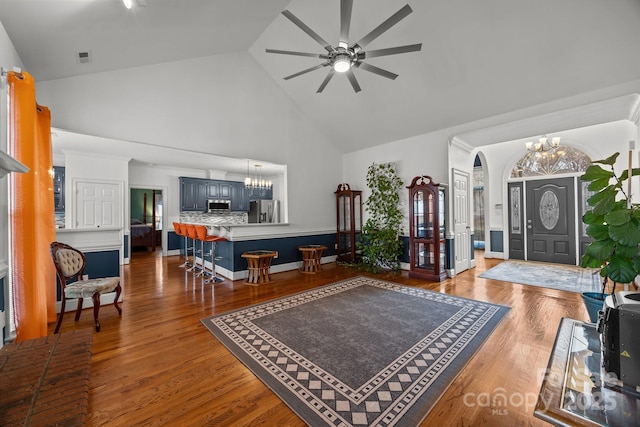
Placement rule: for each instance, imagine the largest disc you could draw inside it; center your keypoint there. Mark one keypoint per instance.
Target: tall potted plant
(381, 246)
(614, 224)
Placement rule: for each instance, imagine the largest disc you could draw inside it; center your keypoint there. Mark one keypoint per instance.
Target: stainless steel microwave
(218, 206)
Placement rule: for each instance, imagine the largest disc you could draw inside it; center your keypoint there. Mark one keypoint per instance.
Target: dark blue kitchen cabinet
(196, 192)
(58, 189)
(239, 197)
(224, 190)
(218, 190)
(193, 194)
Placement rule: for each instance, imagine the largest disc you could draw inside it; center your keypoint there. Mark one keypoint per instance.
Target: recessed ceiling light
(127, 3)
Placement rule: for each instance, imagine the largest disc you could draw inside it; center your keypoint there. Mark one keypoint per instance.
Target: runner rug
(555, 276)
(358, 352)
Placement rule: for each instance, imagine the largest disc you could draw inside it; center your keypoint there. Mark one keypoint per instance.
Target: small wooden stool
(259, 263)
(311, 256)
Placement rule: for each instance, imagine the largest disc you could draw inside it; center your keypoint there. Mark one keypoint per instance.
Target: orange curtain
(31, 216)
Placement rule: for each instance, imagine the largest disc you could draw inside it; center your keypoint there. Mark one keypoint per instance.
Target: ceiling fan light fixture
(342, 63)
(342, 57)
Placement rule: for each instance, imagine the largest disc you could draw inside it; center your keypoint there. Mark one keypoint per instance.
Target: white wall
(225, 105)
(420, 155)
(9, 58)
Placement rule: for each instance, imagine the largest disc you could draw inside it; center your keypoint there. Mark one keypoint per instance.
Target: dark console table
(576, 391)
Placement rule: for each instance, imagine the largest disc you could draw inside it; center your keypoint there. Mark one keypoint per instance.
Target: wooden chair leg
(79, 309)
(60, 316)
(96, 309)
(115, 301)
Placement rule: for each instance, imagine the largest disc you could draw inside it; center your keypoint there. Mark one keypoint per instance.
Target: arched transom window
(559, 160)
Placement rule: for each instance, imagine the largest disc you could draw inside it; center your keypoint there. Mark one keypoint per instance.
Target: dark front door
(551, 234)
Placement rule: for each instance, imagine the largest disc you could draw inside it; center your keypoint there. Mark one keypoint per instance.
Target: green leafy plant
(613, 223)
(381, 246)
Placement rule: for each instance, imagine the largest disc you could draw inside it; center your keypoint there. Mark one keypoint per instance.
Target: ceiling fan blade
(390, 51)
(376, 70)
(352, 80)
(306, 71)
(346, 6)
(390, 22)
(308, 30)
(289, 52)
(325, 81)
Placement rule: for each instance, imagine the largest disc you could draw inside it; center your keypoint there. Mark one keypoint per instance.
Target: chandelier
(256, 182)
(543, 144)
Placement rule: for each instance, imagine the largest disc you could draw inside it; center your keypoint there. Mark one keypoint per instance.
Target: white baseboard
(278, 268)
(500, 255)
(72, 304)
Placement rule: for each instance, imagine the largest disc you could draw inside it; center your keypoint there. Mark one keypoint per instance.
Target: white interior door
(461, 225)
(98, 204)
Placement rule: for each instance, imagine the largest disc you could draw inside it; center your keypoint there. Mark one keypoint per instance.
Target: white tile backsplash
(232, 218)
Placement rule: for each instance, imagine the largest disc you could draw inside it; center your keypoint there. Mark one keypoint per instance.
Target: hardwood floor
(158, 365)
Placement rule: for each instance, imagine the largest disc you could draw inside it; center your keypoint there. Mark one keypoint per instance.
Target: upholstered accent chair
(70, 264)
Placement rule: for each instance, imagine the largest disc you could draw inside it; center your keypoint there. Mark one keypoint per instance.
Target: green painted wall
(137, 204)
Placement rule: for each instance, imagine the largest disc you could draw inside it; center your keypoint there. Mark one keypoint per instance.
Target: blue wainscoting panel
(224, 250)
(126, 246)
(229, 254)
(406, 256)
(102, 264)
(287, 248)
(496, 242)
(174, 241)
(450, 256)
(1, 293)
(473, 246)
(2, 313)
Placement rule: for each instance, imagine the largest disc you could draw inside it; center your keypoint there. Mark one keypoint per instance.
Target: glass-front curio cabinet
(427, 229)
(349, 217)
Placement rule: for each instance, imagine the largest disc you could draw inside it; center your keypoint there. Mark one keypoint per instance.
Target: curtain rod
(5, 71)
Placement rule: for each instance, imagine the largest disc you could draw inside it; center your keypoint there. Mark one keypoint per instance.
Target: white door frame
(461, 226)
(164, 191)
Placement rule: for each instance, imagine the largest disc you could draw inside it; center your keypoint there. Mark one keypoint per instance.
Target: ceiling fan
(344, 57)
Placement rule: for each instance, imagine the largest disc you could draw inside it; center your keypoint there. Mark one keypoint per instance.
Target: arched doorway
(546, 201)
(478, 204)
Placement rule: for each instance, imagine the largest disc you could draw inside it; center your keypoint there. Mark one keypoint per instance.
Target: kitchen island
(241, 237)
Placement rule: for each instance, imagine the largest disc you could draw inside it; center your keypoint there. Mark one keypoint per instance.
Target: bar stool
(181, 231)
(193, 235)
(201, 230)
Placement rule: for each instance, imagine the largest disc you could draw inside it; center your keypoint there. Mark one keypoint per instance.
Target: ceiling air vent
(83, 57)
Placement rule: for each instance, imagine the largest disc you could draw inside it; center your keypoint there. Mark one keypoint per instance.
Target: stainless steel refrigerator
(264, 211)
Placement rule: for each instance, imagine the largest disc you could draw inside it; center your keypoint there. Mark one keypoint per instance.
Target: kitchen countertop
(87, 230)
(227, 230)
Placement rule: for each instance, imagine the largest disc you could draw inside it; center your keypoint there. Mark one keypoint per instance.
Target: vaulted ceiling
(479, 59)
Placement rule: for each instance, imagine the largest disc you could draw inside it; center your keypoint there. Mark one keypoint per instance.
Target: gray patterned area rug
(358, 352)
(556, 276)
